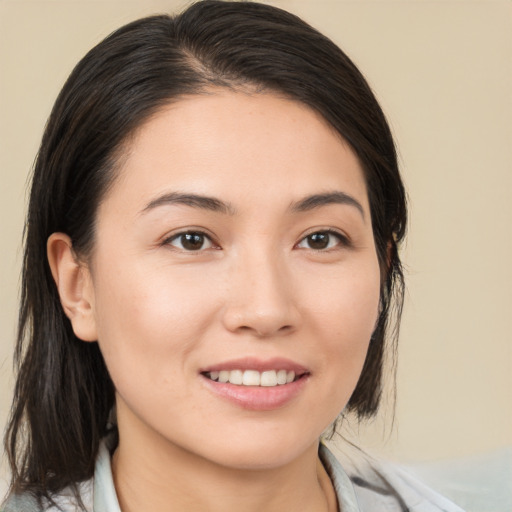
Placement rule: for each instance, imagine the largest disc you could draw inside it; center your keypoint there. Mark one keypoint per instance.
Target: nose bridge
(261, 298)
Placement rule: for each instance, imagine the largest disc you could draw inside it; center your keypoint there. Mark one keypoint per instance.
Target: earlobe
(74, 285)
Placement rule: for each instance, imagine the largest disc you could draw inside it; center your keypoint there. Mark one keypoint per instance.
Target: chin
(250, 450)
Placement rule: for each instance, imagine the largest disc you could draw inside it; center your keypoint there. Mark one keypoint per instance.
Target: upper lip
(260, 365)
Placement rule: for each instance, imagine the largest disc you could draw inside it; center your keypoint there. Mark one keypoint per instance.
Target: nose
(261, 300)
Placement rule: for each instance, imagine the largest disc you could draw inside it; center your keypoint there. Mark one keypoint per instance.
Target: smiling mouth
(254, 378)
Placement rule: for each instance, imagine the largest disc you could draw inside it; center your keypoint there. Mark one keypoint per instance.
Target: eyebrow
(318, 200)
(194, 200)
(216, 205)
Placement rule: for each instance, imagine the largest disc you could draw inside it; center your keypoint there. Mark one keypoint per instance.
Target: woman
(210, 264)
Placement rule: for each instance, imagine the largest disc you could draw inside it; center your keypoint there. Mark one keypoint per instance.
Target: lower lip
(257, 398)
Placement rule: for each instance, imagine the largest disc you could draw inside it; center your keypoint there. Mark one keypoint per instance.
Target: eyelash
(190, 233)
(342, 240)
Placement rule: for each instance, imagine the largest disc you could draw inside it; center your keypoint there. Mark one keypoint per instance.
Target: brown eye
(191, 241)
(318, 240)
(321, 240)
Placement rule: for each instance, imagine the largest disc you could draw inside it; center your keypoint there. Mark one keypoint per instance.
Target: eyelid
(344, 240)
(190, 230)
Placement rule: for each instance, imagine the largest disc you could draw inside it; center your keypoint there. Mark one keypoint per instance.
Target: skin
(256, 287)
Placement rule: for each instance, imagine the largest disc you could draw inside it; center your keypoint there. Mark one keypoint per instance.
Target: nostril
(260, 319)
(285, 329)
(266, 332)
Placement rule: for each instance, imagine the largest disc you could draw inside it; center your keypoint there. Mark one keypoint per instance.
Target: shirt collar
(347, 501)
(105, 498)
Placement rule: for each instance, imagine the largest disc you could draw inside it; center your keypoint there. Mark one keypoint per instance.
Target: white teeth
(223, 376)
(269, 378)
(236, 377)
(251, 378)
(281, 377)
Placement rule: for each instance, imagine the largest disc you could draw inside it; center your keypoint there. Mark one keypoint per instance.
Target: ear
(74, 285)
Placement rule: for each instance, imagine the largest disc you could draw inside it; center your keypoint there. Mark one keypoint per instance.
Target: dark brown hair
(63, 393)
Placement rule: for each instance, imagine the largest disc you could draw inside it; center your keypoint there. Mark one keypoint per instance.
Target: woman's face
(236, 244)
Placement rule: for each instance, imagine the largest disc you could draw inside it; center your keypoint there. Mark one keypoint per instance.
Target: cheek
(146, 318)
(346, 302)
(344, 316)
(149, 325)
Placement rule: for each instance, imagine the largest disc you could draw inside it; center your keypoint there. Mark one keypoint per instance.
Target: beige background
(443, 72)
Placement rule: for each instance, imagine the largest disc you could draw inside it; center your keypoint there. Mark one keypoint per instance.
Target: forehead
(239, 145)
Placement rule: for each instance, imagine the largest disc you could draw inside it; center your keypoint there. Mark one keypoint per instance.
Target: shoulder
(384, 486)
(65, 501)
(18, 502)
(398, 486)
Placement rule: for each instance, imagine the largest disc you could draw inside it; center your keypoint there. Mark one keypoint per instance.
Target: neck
(154, 475)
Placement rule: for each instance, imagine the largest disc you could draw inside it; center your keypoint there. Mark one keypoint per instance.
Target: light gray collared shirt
(381, 487)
